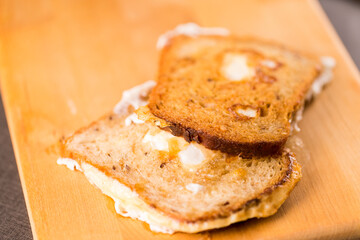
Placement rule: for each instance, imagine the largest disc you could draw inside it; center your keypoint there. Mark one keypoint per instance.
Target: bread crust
(260, 148)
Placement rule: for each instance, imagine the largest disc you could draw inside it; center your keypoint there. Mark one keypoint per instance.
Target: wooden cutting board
(63, 64)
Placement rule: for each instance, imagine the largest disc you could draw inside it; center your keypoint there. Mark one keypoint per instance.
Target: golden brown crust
(197, 100)
(213, 142)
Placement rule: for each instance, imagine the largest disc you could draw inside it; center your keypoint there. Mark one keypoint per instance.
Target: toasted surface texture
(231, 94)
(178, 193)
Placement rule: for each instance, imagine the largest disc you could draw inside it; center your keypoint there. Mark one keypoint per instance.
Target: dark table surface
(14, 221)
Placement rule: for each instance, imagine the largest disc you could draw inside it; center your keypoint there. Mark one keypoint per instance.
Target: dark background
(14, 221)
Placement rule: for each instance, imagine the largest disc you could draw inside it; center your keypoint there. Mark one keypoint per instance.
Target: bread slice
(174, 185)
(237, 95)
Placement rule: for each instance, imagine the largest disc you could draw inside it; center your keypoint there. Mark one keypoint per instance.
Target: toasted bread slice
(237, 95)
(174, 185)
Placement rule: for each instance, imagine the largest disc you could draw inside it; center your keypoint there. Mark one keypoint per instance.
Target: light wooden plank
(65, 63)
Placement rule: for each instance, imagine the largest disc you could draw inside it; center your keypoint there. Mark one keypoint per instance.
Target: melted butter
(236, 67)
(192, 156)
(230, 158)
(298, 147)
(139, 188)
(240, 173)
(174, 148)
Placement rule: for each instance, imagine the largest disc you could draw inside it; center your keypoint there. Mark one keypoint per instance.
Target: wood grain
(65, 63)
